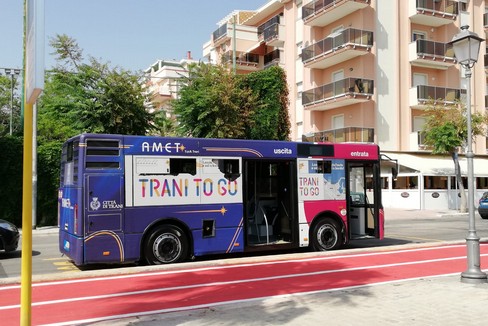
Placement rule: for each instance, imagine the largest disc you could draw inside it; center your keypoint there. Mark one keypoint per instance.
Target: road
(401, 227)
(198, 285)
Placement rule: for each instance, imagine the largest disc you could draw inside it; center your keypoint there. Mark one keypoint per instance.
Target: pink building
(362, 71)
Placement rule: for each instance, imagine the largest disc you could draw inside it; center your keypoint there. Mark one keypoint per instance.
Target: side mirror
(394, 172)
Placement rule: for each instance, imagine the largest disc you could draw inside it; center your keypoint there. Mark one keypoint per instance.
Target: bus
(160, 200)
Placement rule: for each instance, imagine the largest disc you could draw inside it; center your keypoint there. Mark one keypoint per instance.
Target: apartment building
(363, 71)
(163, 82)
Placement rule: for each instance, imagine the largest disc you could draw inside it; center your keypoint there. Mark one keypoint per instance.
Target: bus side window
(324, 167)
(182, 165)
(230, 169)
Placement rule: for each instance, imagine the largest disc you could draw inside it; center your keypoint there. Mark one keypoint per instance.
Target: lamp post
(466, 47)
(12, 72)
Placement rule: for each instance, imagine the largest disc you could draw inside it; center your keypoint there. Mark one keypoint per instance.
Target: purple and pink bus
(161, 200)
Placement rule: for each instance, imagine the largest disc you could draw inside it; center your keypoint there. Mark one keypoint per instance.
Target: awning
(428, 164)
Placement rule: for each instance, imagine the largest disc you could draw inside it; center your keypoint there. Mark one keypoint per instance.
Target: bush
(11, 174)
(11, 179)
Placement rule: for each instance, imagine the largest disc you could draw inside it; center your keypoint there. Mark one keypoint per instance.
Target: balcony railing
(445, 95)
(272, 58)
(241, 59)
(485, 20)
(271, 33)
(433, 12)
(342, 87)
(435, 49)
(219, 32)
(431, 54)
(439, 6)
(354, 37)
(348, 134)
(486, 61)
(273, 21)
(318, 6)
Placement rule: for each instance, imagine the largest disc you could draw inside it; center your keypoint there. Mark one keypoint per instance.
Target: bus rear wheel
(326, 235)
(167, 244)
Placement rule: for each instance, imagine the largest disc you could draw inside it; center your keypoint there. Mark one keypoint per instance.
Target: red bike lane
(69, 302)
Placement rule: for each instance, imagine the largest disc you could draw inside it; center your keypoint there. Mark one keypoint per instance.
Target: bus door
(103, 218)
(269, 202)
(103, 201)
(364, 200)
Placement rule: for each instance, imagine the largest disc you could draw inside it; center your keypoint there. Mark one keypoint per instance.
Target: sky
(130, 34)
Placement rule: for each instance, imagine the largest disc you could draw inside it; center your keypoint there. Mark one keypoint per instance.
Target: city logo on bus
(157, 147)
(95, 204)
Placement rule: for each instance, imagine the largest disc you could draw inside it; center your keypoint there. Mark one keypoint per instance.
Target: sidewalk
(442, 300)
(429, 301)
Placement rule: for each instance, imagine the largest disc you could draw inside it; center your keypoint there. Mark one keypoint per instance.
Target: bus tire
(326, 235)
(165, 245)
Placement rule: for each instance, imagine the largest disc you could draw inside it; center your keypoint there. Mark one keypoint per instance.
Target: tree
(211, 105)
(216, 103)
(5, 99)
(270, 118)
(90, 97)
(446, 132)
(82, 96)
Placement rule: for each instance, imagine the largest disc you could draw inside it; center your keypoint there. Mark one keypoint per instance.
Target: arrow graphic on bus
(223, 210)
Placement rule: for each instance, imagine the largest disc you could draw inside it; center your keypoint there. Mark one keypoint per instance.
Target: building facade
(363, 71)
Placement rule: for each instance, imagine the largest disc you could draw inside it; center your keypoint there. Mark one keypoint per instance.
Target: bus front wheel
(166, 244)
(326, 235)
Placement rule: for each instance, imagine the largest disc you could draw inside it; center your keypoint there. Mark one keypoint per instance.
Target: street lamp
(12, 72)
(466, 46)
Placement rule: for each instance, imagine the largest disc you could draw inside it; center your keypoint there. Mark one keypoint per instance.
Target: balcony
(219, 35)
(485, 20)
(421, 96)
(272, 32)
(433, 12)
(339, 47)
(340, 93)
(244, 61)
(273, 58)
(323, 12)
(486, 62)
(430, 54)
(342, 135)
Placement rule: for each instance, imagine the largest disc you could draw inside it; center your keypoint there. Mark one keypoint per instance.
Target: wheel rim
(327, 236)
(167, 248)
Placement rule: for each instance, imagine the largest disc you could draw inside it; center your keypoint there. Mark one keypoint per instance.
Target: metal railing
(436, 49)
(338, 88)
(444, 94)
(271, 58)
(439, 6)
(219, 32)
(319, 5)
(244, 58)
(347, 134)
(348, 36)
(273, 21)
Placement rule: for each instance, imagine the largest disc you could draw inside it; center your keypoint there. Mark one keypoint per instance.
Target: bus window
(102, 154)
(69, 163)
(230, 168)
(182, 165)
